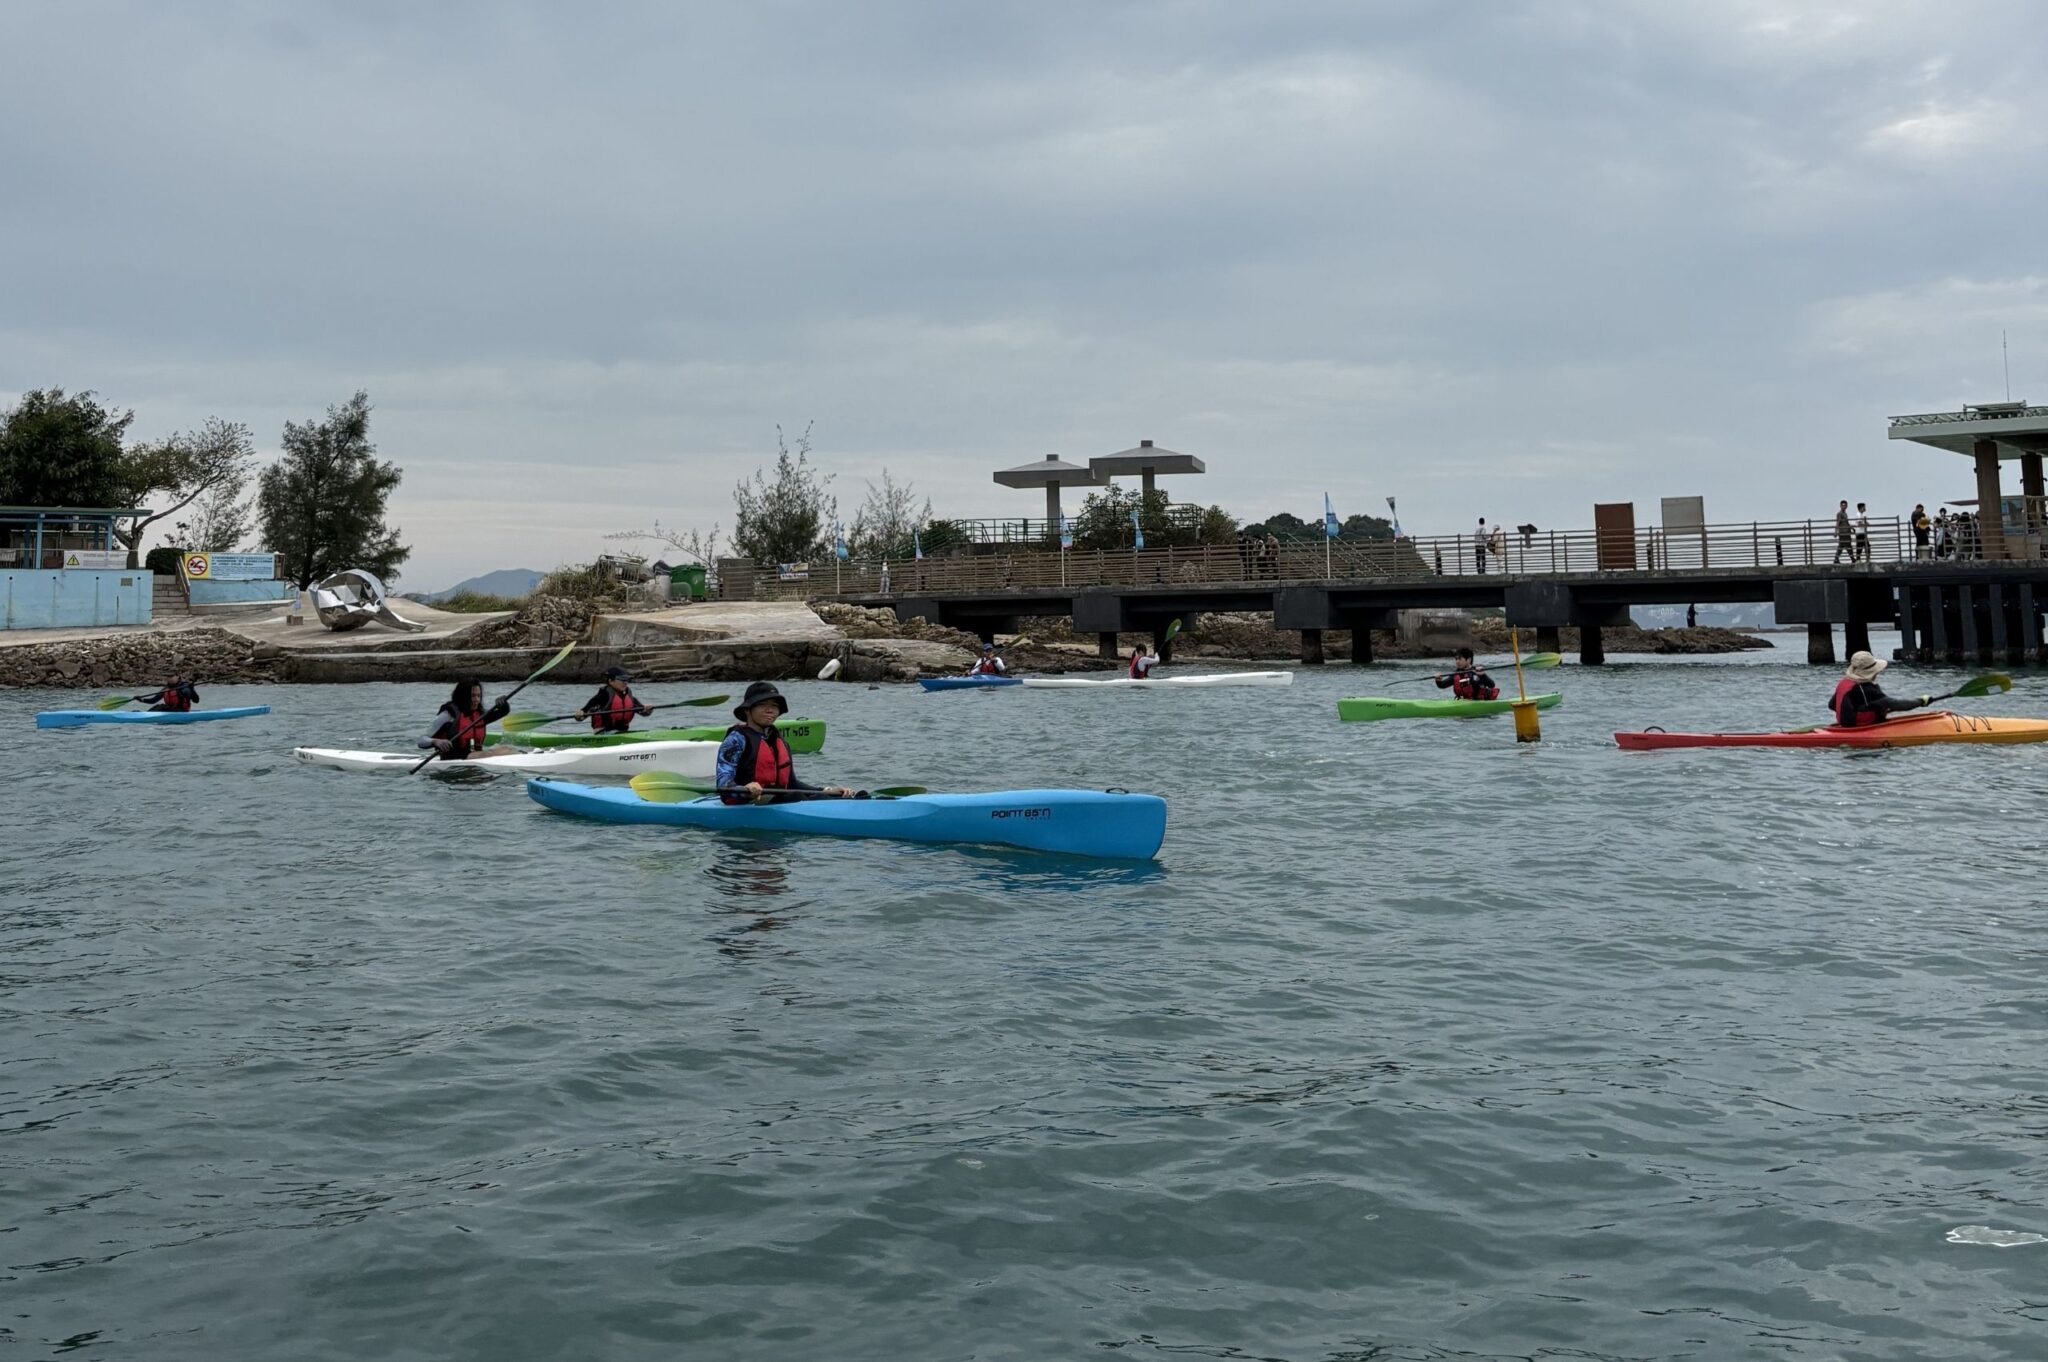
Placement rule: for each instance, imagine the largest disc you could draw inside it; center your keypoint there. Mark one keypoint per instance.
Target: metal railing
(1753, 545)
(1995, 412)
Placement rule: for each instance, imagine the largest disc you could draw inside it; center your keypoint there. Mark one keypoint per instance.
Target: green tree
(883, 525)
(1104, 521)
(322, 504)
(786, 519)
(1366, 527)
(211, 463)
(61, 451)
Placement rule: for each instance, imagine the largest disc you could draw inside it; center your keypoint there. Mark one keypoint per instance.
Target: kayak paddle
(1534, 662)
(529, 719)
(113, 702)
(666, 787)
(543, 670)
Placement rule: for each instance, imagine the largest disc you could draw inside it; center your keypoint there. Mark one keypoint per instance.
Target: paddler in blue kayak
(613, 708)
(177, 697)
(1858, 701)
(991, 663)
(754, 765)
(1466, 681)
(458, 730)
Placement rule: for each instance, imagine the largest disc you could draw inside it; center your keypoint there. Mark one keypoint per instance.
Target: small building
(62, 567)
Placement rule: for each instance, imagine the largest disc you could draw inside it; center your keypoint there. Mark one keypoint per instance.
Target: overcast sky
(1502, 259)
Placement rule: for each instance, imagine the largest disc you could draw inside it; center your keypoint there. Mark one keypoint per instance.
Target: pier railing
(1752, 544)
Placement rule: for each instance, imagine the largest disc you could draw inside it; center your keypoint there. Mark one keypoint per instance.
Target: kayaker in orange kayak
(1466, 681)
(1859, 702)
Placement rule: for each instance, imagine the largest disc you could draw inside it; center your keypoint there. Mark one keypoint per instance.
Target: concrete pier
(1311, 647)
(1592, 651)
(1820, 644)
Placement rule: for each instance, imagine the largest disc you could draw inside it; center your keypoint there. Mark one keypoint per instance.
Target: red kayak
(1919, 730)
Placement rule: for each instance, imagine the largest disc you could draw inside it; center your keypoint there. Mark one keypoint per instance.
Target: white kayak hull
(694, 759)
(1212, 679)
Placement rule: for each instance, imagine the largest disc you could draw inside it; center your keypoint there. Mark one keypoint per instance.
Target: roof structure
(2015, 428)
(1052, 473)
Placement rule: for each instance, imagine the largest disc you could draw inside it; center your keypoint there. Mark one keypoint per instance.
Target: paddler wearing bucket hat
(754, 765)
(1858, 701)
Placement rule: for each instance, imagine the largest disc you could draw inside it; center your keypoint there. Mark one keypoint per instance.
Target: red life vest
(617, 716)
(466, 731)
(765, 759)
(1468, 686)
(1860, 718)
(173, 699)
(986, 667)
(1136, 656)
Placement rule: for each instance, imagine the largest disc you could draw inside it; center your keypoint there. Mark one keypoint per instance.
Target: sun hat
(1864, 667)
(757, 693)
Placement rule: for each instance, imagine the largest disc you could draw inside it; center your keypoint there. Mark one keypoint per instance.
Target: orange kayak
(1917, 730)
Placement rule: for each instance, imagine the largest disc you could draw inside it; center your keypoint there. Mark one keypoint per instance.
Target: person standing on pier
(1845, 536)
(1480, 541)
(1692, 617)
(1922, 527)
(1862, 533)
(1858, 701)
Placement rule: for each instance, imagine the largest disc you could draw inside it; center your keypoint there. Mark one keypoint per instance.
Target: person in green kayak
(1859, 702)
(1466, 681)
(754, 765)
(458, 730)
(177, 697)
(614, 707)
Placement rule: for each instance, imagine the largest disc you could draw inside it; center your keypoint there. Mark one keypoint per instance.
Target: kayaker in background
(1858, 702)
(1466, 681)
(614, 707)
(991, 663)
(458, 730)
(1142, 663)
(754, 765)
(177, 697)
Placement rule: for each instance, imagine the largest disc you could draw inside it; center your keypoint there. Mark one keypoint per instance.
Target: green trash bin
(687, 582)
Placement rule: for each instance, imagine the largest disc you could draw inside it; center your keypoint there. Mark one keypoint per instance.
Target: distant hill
(508, 582)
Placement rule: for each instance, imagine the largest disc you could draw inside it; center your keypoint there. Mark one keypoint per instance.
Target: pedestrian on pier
(1862, 533)
(1272, 555)
(1244, 555)
(1480, 539)
(1922, 526)
(1845, 535)
(1692, 617)
(1944, 534)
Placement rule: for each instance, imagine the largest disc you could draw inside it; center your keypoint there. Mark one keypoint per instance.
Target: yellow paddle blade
(115, 702)
(1536, 662)
(525, 721)
(666, 787)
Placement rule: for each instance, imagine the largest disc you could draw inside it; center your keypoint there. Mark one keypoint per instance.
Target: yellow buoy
(1527, 728)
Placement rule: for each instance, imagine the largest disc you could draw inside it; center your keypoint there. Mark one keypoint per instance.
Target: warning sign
(198, 567)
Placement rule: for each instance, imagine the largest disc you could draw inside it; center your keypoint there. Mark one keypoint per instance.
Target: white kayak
(1211, 679)
(695, 759)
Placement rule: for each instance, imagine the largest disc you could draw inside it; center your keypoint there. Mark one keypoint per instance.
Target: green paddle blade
(1171, 630)
(701, 702)
(1536, 662)
(525, 721)
(115, 702)
(1991, 683)
(666, 787)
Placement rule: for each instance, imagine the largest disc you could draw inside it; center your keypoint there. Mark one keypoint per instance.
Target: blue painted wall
(208, 592)
(41, 599)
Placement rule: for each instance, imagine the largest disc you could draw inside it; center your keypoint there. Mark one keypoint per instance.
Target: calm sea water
(1413, 1044)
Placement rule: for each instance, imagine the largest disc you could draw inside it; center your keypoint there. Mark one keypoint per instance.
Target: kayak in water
(804, 736)
(1072, 822)
(1918, 730)
(1365, 708)
(695, 759)
(967, 682)
(1133, 683)
(78, 718)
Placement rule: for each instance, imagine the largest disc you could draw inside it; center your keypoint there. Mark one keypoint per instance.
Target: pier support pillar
(2033, 489)
(1856, 637)
(1820, 644)
(1995, 599)
(1592, 653)
(1904, 619)
(1311, 647)
(1937, 627)
(1105, 646)
(1990, 523)
(1966, 619)
(2030, 628)
(1547, 640)
(1361, 647)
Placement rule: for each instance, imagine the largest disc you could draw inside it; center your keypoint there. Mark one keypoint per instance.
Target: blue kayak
(78, 718)
(1074, 822)
(967, 682)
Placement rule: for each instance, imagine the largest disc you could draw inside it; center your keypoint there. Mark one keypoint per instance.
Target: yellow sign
(198, 567)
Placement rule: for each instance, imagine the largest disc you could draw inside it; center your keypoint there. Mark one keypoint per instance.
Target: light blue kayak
(78, 718)
(1073, 822)
(967, 682)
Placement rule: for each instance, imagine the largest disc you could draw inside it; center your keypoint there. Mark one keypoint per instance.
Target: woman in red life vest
(177, 697)
(1466, 681)
(1858, 702)
(458, 730)
(614, 707)
(990, 664)
(754, 765)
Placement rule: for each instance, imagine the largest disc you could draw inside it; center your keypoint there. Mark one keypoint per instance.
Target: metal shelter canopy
(36, 536)
(2014, 427)
(1052, 473)
(1146, 460)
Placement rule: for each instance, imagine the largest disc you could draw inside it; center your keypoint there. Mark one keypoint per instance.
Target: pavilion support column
(1592, 650)
(1311, 647)
(1990, 523)
(1052, 504)
(1820, 644)
(2032, 488)
(1105, 646)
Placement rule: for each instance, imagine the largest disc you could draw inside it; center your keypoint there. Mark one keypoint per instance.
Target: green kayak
(802, 735)
(1369, 707)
